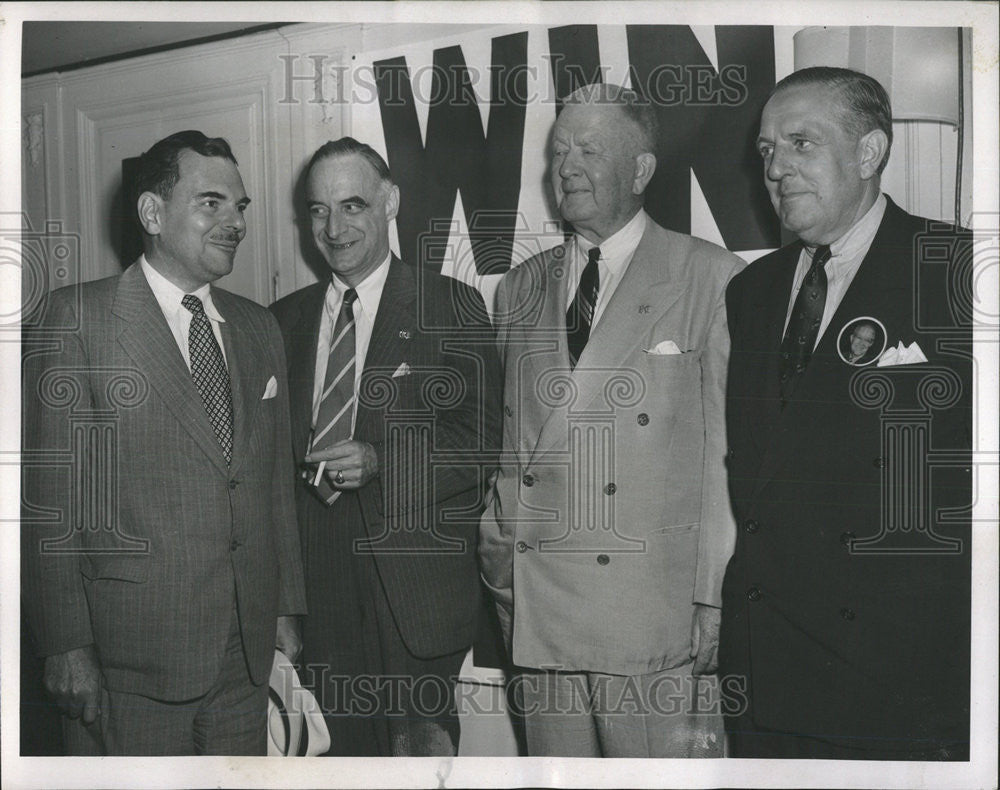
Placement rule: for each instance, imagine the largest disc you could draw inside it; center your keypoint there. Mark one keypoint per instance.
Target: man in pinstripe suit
(159, 575)
(395, 411)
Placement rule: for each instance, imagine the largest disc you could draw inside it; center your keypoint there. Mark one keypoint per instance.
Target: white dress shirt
(616, 253)
(365, 309)
(178, 317)
(846, 255)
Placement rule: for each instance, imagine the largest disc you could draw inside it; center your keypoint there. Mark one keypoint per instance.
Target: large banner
(464, 122)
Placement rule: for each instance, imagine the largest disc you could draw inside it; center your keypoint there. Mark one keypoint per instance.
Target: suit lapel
(646, 292)
(882, 289)
(538, 334)
(397, 314)
(302, 366)
(774, 305)
(148, 341)
(247, 372)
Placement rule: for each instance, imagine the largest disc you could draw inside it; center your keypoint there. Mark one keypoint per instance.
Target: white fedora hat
(292, 711)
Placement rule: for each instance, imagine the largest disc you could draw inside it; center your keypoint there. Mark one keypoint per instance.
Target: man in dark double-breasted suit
(846, 605)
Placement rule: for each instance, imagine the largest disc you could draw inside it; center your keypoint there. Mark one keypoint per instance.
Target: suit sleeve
(496, 545)
(717, 537)
(52, 587)
(292, 599)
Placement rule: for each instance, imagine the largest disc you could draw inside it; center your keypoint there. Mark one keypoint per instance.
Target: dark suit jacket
(864, 642)
(435, 431)
(134, 527)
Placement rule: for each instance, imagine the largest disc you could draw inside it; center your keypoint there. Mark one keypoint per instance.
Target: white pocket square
(402, 370)
(664, 347)
(901, 355)
(271, 389)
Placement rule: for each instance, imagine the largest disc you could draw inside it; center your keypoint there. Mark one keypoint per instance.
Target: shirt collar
(617, 249)
(860, 235)
(169, 295)
(369, 290)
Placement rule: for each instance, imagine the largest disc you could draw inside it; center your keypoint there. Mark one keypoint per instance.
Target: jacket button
(730, 453)
(610, 489)
(847, 614)
(751, 526)
(847, 537)
(528, 480)
(233, 484)
(603, 559)
(508, 411)
(642, 419)
(234, 544)
(521, 547)
(754, 594)
(879, 463)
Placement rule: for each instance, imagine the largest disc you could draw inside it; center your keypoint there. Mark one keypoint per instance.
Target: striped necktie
(208, 369)
(336, 406)
(803, 327)
(581, 312)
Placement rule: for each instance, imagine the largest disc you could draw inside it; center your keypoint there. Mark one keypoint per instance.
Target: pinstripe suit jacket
(435, 431)
(135, 530)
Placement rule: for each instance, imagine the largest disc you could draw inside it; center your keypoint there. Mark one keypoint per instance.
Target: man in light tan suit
(610, 527)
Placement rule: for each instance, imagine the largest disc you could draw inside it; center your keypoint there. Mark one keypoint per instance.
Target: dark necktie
(581, 312)
(803, 326)
(208, 369)
(336, 406)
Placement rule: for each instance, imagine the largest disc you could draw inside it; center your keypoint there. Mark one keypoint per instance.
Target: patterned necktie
(803, 326)
(208, 369)
(336, 406)
(581, 311)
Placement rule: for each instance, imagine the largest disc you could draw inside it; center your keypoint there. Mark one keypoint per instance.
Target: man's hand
(289, 640)
(356, 462)
(705, 639)
(73, 678)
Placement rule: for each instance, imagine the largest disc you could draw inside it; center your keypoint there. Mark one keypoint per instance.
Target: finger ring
(339, 479)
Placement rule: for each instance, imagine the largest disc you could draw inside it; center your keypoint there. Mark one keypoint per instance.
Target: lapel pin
(404, 333)
(861, 341)
(644, 309)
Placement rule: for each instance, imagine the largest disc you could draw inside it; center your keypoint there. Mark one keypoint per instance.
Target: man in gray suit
(160, 557)
(610, 527)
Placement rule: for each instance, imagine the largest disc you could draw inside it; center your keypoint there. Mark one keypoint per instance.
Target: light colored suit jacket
(610, 517)
(135, 531)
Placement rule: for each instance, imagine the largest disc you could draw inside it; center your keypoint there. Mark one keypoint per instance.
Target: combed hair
(636, 109)
(348, 145)
(158, 169)
(864, 102)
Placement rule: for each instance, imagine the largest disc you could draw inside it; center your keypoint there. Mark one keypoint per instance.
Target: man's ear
(150, 208)
(872, 148)
(645, 166)
(392, 203)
